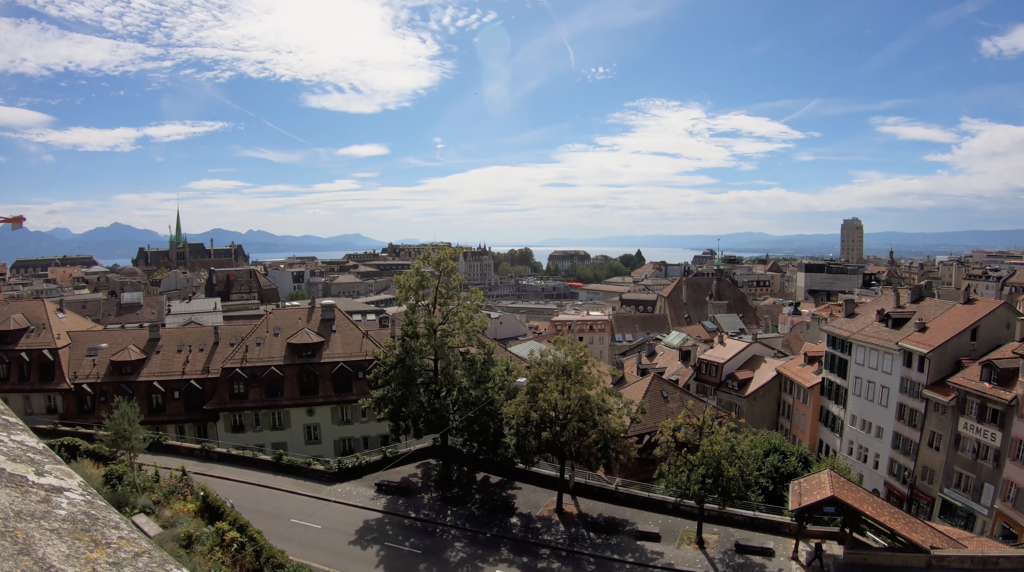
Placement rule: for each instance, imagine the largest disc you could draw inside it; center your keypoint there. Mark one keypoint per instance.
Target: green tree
(505, 269)
(640, 260)
(775, 463)
(440, 375)
(567, 412)
(704, 456)
(628, 261)
(125, 435)
(296, 295)
(836, 464)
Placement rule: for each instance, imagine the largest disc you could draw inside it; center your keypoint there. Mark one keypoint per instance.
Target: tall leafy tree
(775, 462)
(567, 412)
(836, 464)
(125, 435)
(704, 456)
(440, 375)
(640, 260)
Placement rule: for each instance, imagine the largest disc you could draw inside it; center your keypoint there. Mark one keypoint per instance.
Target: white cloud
(36, 48)
(358, 56)
(599, 73)
(117, 139)
(1009, 45)
(909, 130)
(275, 156)
(215, 185)
(337, 185)
(365, 175)
(18, 118)
(366, 150)
(804, 157)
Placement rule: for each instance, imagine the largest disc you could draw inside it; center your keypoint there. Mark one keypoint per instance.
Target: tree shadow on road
(471, 505)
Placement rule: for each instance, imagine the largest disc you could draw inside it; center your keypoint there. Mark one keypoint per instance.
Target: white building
(851, 241)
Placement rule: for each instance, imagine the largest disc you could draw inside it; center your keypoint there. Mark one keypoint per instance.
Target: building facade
(851, 241)
(563, 260)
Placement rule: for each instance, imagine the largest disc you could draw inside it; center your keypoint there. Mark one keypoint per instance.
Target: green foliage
(640, 260)
(441, 375)
(704, 456)
(207, 446)
(775, 462)
(125, 435)
(836, 464)
(296, 295)
(520, 259)
(90, 471)
(594, 273)
(505, 269)
(566, 411)
(117, 477)
(71, 449)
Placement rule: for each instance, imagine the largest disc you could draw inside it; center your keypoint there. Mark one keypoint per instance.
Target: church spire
(178, 238)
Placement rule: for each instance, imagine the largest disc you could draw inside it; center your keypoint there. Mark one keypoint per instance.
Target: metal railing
(653, 490)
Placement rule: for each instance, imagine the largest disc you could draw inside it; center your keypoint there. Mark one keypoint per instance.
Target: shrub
(207, 446)
(69, 449)
(117, 477)
(100, 454)
(90, 472)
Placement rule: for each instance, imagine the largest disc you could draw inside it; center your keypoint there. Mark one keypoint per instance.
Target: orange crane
(17, 221)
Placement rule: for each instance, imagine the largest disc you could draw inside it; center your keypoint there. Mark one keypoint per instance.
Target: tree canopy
(296, 295)
(704, 457)
(520, 259)
(440, 376)
(125, 435)
(566, 411)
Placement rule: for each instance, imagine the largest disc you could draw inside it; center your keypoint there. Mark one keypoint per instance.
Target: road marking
(402, 547)
(306, 523)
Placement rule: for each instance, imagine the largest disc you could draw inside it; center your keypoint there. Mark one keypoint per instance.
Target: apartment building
(591, 328)
(726, 356)
(476, 265)
(800, 401)
(34, 361)
(1008, 519)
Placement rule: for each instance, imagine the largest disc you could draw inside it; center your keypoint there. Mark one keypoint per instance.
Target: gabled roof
(828, 485)
(305, 336)
(957, 319)
(130, 353)
(970, 378)
(14, 322)
(664, 400)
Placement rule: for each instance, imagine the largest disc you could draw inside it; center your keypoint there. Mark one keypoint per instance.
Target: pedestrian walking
(819, 555)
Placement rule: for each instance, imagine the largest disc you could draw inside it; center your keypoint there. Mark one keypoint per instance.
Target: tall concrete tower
(851, 241)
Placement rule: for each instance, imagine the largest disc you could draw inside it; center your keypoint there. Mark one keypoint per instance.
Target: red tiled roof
(664, 400)
(950, 323)
(970, 378)
(129, 353)
(827, 485)
(305, 336)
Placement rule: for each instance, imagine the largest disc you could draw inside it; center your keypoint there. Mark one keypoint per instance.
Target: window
(920, 364)
(257, 423)
(853, 420)
(883, 397)
(874, 463)
(974, 334)
(345, 414)
(363, 414)
(345, 447)
(935, 441)
(849, 448)
(887, 363)
(969, 447)
(366, 443)
(857, 383)
(971, 408)
(309, 382)
(859, 359)
(1018, 451)
(703, 367)
(963, 481)
(156, 402)
(239, 390)
(51, 404)
(179, 432)
(992, 415)
(870, 396)
(873, 359)
(237, 423)
(879, 432)
(987, 454)
(714, 370)
(1009, 492)
(928, 475)
(276, 420)
(47, 371)
(311, 431)
(200, 429)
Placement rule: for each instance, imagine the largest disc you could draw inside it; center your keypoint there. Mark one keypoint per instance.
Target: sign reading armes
(984, 434)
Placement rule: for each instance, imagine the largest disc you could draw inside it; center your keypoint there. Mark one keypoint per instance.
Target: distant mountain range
(905, 244)
(121, 241)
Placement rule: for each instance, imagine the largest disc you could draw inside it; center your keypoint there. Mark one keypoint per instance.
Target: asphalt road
(355, 540)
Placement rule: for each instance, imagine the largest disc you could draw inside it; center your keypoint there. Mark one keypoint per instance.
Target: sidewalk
(613, 541)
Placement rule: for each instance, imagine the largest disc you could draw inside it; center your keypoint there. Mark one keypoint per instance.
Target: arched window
(309, 382)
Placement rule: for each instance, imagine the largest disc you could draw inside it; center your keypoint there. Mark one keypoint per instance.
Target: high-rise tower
(851, 241)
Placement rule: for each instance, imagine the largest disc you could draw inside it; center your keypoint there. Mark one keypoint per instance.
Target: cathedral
(184, 255)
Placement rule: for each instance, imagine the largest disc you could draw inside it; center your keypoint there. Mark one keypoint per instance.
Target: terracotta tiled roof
(863, 326)
(970, 541)
(956, 319)
(696, 331)
(941, 391)
(129, 353)
(305, 336)
(48, 329)
(627, 323)
(970, 378)
(828, 485)
(806, 374)
(14, 322)
(754, 374)
(725, 351)
(793, 342)
(664, 400)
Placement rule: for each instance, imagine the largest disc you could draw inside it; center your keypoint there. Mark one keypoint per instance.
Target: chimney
(211, 243)
(61, 305)
(383, 321)
(1019, 334)
(880, 315)
(721, 337)
(216, 334)
(965, 294)
(919, 325)
(154, 331)
(327, 309)
(753, 337)
(916, 292)
(849, 307)
(896, 303)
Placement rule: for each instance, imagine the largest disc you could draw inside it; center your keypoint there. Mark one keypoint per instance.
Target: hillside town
(908, 372)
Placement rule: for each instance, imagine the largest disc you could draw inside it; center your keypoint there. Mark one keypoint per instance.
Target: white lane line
(306, 523)
(402, 547)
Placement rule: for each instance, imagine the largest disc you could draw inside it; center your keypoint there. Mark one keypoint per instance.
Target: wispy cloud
(599, 73)
(356, 57)
(117, 139)
(18, 118)
(365, 175)
(563, 33)
(275, 156)
(909, 130)
(216, 185)
(365, 150)
(1009, 45)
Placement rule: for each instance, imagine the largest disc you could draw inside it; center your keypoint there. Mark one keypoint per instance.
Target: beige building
(851, 241)
(591, 328)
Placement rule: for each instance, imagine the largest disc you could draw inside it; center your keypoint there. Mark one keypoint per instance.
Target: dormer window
(277, 332)
(202, 347)
(986, 374)
(307, 351)
(259, 341)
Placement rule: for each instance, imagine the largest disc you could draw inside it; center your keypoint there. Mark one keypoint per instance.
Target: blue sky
(512, 120)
